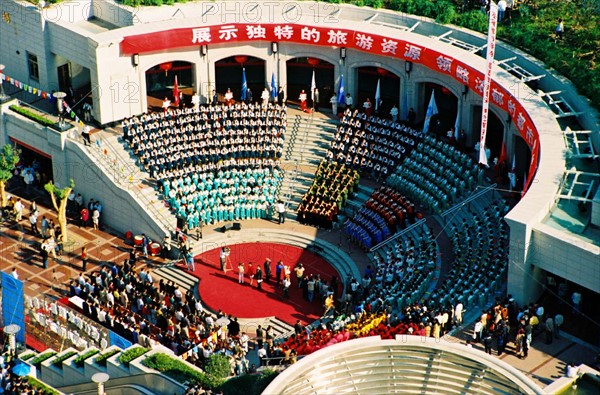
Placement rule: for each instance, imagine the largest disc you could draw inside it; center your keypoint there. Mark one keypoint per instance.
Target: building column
(410, 88)
(524, 279)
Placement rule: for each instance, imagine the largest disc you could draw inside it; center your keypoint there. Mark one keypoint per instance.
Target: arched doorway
(299, 77)
(160, 81)
(447, 105)
(522, 154)
(494, 135)
(228, 74)
(389, 87)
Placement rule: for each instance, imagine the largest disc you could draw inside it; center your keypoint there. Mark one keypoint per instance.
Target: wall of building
(70, 160)
(566, 257)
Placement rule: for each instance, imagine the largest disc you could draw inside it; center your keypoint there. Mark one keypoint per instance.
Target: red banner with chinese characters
(330, 37)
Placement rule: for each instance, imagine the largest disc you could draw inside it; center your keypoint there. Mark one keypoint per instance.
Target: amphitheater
(474, 240)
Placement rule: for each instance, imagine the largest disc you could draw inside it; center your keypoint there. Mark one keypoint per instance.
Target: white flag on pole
(313, 86)
(431, 111)
(377, 95)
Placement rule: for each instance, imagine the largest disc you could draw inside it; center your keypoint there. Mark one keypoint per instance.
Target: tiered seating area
(436, 175)
(218, 164)
(384, 213)
(404, 270)
(371, 144)
(328, 193)
(480, 242)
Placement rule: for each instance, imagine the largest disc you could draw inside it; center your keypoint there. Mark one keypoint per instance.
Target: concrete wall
(121, 210)
(555, 253)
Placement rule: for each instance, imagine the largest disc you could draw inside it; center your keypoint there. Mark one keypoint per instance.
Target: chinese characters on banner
(491, 46)
(358, 40)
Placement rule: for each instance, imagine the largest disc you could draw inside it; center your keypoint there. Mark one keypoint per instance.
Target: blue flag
(273, 87)
(341, 98)
(244, 84)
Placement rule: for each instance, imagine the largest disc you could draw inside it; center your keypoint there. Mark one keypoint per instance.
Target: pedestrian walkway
(545, 363)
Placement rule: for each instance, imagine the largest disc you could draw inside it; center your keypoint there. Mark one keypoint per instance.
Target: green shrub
(80, 360)
(175, 369)
(445, 12)
(131, 354)
(42, 388)
(37, 361)
(101, 358)
(474, 20)
(248, 384)
(217, 369)
(59, 360)
(26, 356)
(32, 115)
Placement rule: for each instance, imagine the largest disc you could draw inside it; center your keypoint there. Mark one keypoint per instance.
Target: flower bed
(132, 354)
(103, 357)
(80, 360)
(32, 115)
(37, 361)
(174, 368)
(41, 387)
(57, 362)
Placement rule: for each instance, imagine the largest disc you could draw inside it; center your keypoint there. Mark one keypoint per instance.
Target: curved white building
(406, 365)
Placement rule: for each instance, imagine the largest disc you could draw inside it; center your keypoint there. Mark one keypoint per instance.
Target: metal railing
(307, 127)
(467, 202)
(397, 235)
(116, 166)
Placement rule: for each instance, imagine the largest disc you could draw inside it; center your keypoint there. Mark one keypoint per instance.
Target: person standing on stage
(286, 287)
(334, 104)
(223, 255)
(280, 96)
(251, 273)
(280, 206)
(259, 277)
(279, 272)
(302, 99)
(265, 98)
(240, 273)
(229, 97)
(316, 100)
(267, 266)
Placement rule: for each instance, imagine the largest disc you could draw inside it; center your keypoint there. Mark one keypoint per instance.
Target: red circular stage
(220, 290)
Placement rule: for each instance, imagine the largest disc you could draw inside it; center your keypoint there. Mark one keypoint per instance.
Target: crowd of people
(209, 197)
(331, 187)
(213, 163)
(436, 175)
(415, 319)
(129, 301)
(383, 214)
(370, 144)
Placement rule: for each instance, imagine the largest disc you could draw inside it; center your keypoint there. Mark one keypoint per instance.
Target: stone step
(178, 276)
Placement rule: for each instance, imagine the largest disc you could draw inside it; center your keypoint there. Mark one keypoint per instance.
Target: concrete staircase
(183, 280)
(308, 138)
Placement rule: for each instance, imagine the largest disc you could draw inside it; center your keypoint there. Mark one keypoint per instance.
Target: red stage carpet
(222, 291)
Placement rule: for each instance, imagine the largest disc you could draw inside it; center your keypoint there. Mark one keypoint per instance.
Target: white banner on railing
(491, 47)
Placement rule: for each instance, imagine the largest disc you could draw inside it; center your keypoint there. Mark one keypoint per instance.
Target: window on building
(32, 62)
